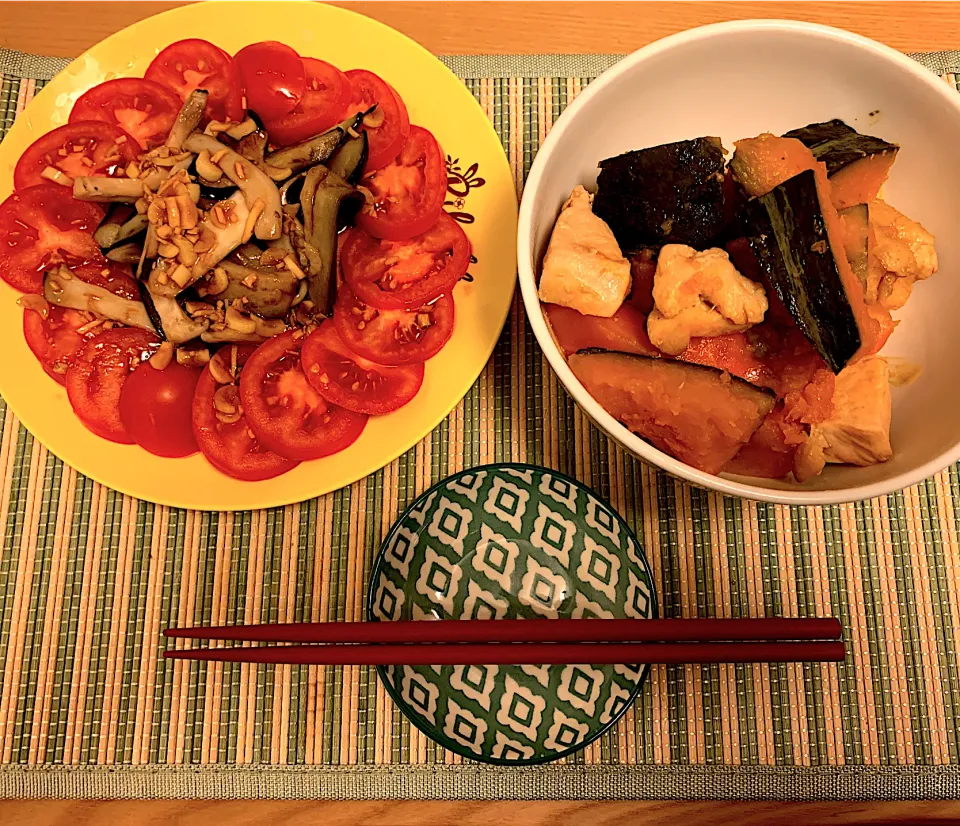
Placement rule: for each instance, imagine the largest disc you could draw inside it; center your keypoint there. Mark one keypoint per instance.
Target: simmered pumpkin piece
(625, 330)
(857, 164)
(668, 194)
(699, 415)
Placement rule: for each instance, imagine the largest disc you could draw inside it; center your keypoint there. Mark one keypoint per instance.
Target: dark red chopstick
(764, 629)
(518, 654)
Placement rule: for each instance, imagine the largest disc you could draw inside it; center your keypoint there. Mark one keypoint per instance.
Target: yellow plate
(435, 99)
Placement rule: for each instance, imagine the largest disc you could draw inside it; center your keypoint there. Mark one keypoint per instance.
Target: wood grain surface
(580, 813)
(65, 29)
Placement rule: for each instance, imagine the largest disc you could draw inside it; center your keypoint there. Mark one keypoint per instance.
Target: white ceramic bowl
(736, 80)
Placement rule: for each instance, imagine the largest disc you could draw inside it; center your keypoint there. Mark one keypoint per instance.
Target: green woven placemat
(88, 578)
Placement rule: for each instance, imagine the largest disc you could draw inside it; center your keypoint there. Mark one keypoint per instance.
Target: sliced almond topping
(163, 356)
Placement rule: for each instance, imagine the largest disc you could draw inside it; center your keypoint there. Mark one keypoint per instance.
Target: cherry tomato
(156, 408)
(83, 147)
(96, 375)
(197, 64)
(393, 337)
(225, 438)
(392, 128)
(141, 108)
(324, 104)
(54, 337)
(41, 226)
(408, 193)
(352, 381)
(285, 412)
(392, 275)
(273, 78)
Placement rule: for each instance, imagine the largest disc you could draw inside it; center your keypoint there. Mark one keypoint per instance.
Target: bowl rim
(527, 276)
(436, 734)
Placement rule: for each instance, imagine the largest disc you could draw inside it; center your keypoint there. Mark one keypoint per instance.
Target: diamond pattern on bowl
(509, 541)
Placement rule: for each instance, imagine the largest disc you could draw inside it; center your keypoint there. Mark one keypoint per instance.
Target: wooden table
(67, 29)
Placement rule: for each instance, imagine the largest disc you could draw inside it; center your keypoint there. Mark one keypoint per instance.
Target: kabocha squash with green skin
(669, 194)
(700, 415)
(857, 164)
(856, 225)
(788, 234)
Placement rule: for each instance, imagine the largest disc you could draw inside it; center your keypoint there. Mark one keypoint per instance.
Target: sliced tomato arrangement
(388, 127)
(353, 382)
(273, 78)
(220, 425)
(96, 375)
(393, 337)
(256, 410)
(83, 147)
(43, 226)
(54, 335)
(198, 64)
(406, 274)
(284, 410)
(408, 192)
(142, 108)
(156, 408)
(324, 103)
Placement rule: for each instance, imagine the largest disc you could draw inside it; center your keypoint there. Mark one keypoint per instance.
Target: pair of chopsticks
(517, 642)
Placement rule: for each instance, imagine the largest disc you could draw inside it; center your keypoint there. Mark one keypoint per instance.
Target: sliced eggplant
(107, 190)
(256, 186)
(125, 253)
(62, 288)
(109, 229)
(325, 199)
(229, 336)
(348, 161)
(290, 189)
(267, 292)
(316, 150)
(254, 145)
(131, 229)
(191, 113)
(169, 318)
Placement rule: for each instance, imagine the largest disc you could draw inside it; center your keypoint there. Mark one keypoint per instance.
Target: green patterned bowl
(511, 541)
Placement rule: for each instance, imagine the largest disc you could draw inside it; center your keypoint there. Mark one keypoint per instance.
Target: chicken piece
(700, 294)
(858, 432)
(584, 268)
(903, 253)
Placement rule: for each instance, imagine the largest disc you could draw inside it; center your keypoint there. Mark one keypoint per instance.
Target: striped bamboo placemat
(88, 578)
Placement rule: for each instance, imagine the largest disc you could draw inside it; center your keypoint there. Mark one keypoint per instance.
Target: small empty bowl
(511, 541)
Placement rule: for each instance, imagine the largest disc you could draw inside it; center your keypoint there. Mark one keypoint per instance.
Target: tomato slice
(407, 193)
(96, 375)
(352, 381)
(324, 103)
(156, 408)
(225, 439)
(83, 147)
(142, 108)
(391, 275)
(273, 78)
(393, 337)
(387, 138)
(198, 64)
(285, 412)
(41, 226)
(54, 337)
